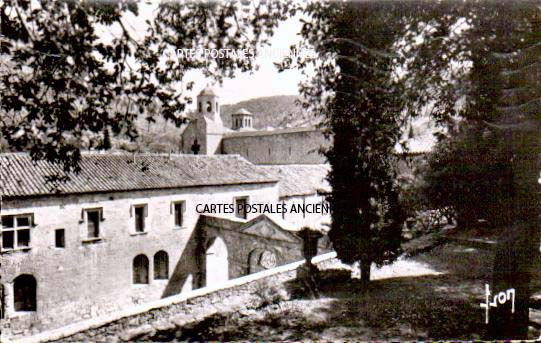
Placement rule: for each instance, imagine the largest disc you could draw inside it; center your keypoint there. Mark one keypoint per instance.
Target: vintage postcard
(270, 170)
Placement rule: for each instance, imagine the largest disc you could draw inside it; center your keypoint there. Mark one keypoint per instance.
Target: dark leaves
(62, 84)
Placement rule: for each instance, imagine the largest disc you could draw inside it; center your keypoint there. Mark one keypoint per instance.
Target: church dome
(207, 91)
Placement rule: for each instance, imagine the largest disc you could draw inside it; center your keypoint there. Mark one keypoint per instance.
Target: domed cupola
(242, 119)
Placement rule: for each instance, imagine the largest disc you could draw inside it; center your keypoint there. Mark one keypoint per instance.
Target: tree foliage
(471, 169)
(470, 173)
(357, 78)
(381, 64)
(63, 77)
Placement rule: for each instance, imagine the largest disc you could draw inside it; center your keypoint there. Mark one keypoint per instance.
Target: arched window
(161, 265)
(209, 106)
(140, 269)
(200, 107)
(24, 293)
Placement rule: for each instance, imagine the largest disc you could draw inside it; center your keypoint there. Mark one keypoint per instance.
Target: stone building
(293, 154)
(127, 230)
(207, 133)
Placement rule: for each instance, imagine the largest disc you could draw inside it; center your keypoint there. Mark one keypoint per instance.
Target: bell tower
(204, 133)
(208, 106)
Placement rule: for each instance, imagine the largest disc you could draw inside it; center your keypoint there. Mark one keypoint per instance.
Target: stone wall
(87, 279)
(287, 146)
(177, 310)
(245, 249)
(195, 130)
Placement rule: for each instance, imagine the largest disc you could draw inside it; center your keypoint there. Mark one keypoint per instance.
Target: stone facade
(273, 246)
(92, 277)
(285, 146)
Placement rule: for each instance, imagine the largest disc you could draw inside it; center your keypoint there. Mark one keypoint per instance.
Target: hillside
(276, 111)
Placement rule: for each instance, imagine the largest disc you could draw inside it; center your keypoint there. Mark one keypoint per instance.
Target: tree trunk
(365, 269)
(518, 249)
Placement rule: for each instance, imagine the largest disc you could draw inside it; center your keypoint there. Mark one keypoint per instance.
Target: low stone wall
(178, 310)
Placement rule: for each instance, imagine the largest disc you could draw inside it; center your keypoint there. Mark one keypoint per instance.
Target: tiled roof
(301, 179)
(235, 134)
(20, 176)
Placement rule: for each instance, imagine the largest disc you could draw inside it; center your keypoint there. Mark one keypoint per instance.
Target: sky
(266, 81)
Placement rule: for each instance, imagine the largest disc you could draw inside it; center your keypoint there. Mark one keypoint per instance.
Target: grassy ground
(414, 306)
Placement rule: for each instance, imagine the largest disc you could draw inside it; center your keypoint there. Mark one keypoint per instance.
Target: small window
(269, 151)
(24, 293)
(59, 238)
(140, 214)
(8, 221)
(217, 106)
(178, 212)
(289, 151)
(200, 107)
(240, 207)
(140, 269)
(23, 221)
(16, 231)
(23, 238)
(93, 219)
(209, 106)
(161, 265)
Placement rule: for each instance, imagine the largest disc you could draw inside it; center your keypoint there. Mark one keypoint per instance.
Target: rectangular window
(240, 207)
(59, 238)
(178, 208)
(23, 238)
(93, 219)
(140, 214)
(8, 239)
(16, 231)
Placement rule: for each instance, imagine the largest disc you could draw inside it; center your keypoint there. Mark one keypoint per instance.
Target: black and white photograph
(270, 170)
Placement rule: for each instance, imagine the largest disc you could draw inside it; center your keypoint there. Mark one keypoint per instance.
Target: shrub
(470, 174)
(270, 294)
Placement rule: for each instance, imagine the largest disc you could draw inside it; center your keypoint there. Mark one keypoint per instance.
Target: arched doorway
(217, 265)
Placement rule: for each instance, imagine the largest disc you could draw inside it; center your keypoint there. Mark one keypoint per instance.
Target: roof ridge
(113, 172)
